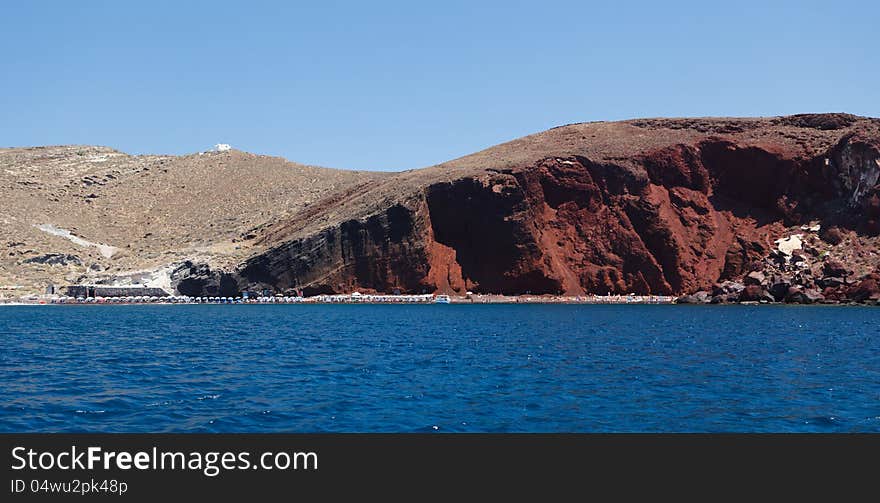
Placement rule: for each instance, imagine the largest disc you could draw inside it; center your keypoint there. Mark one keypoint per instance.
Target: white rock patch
(106, 250)
(787, 245)
(151, 278)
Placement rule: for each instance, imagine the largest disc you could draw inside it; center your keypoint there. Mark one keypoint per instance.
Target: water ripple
(439, 369)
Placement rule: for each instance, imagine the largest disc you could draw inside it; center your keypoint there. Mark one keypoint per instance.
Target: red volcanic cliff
(666, 206)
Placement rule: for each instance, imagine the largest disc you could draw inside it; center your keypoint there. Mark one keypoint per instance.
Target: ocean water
(439, 368)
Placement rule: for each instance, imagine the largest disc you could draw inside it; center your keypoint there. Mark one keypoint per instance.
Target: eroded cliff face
(382, 252)
(673, 219)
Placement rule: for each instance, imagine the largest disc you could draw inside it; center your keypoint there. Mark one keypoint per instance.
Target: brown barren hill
(652, 206)
(151, 212)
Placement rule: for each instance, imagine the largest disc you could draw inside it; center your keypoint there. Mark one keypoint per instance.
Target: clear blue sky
(398, 85)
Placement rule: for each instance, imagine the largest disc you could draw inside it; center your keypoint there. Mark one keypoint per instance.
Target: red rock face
(867, 289)
(668, 220)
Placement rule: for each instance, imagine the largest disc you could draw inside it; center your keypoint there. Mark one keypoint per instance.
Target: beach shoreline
(354, 298)
(357, 298)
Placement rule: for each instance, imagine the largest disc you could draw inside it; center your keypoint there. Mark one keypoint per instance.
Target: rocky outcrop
(55, 259)
(680, 218)
(198, 279)
(384, 252)
(868, 289)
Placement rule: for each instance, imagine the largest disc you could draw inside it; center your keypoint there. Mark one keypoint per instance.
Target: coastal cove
(440, 368)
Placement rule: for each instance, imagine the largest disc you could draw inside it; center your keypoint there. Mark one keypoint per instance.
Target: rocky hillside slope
(782, 209)
(147, 213)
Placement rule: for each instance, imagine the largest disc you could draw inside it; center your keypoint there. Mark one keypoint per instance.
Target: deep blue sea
(439, 368)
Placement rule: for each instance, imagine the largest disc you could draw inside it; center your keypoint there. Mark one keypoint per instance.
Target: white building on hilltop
(221, 147)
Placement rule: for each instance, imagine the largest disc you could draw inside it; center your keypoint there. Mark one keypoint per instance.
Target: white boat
(441, 299)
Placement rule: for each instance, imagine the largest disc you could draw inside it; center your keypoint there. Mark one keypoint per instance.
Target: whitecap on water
(166, 402)
(822, 420)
